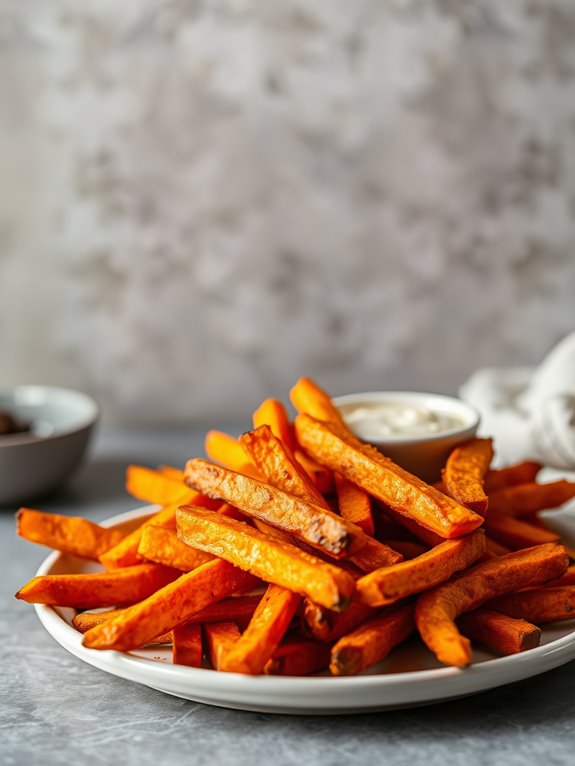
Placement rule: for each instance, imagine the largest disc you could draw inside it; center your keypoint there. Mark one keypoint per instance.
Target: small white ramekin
(422, 455)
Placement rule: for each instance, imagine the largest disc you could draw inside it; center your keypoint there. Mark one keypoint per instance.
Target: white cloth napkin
(530, 411)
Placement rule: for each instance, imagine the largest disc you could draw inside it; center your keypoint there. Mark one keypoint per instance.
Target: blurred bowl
(423, 454)
(34, 462)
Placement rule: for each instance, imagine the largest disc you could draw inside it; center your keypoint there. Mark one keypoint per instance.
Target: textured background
(200, 201)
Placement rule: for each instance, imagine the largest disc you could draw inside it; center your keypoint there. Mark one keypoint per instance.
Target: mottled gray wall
(202, 200)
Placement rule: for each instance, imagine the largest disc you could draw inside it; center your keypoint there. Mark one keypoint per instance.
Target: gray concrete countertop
(55, 710)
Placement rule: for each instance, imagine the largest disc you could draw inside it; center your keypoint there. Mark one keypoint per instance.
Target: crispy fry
(386, 585)
(521, 473)
(224, 449)
(273, 414)
(272, 560)
(298, 658)
(515, 533)
(163, 546)
(187, 645)
(465, 471)
(374, 555)
(566, 579)
(266, 629)
(354, 504)
(321, 477)
(307, 397)
(278, 466)
(279, 469)
(221, 637)
(326, 625)
(68, 534)
(500, 632)
(313, 524)
(89, 591)
(526, 499)
(83, 621)
(154, 487)
(407, 548)
(172, 605)
(125, 553)
(494, 548)
(438, 608)
(239, 610)
(371, 642)
(538, 605)
(379, 476)
(172, 472)
(415, 530)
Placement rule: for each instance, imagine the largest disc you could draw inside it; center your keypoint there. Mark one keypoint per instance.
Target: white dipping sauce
(372, 421)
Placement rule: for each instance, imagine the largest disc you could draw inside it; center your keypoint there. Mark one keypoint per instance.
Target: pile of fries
(348, 553)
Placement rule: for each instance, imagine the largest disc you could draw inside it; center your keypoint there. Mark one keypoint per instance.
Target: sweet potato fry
(309, 522)
(266, 629)
(163, 546)
(88, 591)
(307, 397)
(83, 621)
(494, 548)
(239, 610)
(125, 553)
(374, 555)
(298, 658)
(278, 466)
(354, 504)
(526, 499)
(413, 529)
(154, 487)
(68, 534)
(371, 642)
(271, 560)
(172, 605)
(273, 414)
(386, 585)
(521, 473)
(220, 637)
(280, 470)
(224, 449)
(538, 605)
(566, 579)
(504, 634)
(172, 472)
(407, 548)
(321, 477)
(515, 533)
(187, 645)
(465, 471)
(326, 625)
(369, 469)
(438, 608)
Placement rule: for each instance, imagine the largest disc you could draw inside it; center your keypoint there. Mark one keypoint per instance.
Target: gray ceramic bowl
(33, 463)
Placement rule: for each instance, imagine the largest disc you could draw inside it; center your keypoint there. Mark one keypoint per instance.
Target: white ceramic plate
(409, 676)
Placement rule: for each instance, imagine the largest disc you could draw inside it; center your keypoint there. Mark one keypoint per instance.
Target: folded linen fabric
(529, 410)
